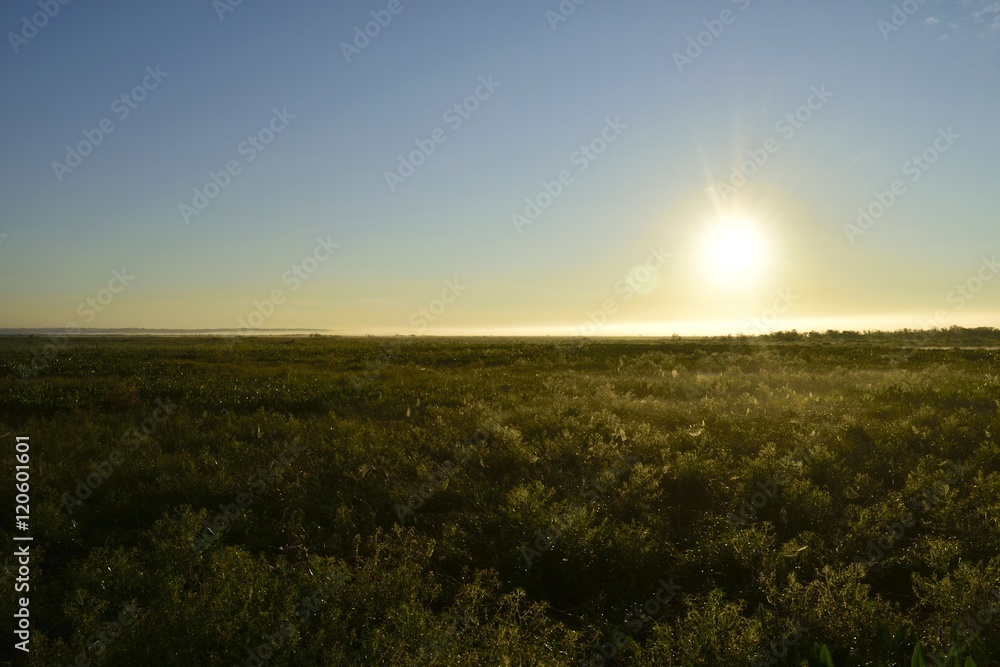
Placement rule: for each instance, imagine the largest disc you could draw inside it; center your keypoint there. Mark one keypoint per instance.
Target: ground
(402, 501)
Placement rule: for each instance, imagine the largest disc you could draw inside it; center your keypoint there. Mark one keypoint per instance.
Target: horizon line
(328, 333)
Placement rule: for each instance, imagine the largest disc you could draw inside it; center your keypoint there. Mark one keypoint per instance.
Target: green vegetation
(791, 500)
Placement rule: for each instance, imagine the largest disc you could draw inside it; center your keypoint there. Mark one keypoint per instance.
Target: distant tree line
(949, 337)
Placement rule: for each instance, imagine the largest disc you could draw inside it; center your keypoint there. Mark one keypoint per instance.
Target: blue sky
(557, 84)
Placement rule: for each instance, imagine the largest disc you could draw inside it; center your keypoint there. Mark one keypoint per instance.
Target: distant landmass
(135, 331)
(954, 336)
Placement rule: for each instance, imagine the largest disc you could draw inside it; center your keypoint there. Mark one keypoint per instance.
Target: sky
(515, 167)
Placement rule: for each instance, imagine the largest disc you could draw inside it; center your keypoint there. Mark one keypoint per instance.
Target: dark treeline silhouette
(954, 336)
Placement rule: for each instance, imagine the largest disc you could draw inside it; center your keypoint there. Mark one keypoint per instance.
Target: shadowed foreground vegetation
(323, 501)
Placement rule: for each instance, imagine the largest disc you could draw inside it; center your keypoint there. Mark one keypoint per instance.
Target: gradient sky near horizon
(778, 252)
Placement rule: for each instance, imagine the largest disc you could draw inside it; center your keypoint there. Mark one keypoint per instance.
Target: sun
(734, 252)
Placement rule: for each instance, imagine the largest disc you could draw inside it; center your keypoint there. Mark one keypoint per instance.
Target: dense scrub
(501, 502)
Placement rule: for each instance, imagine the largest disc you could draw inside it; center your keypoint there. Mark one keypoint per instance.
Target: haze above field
(510, 168)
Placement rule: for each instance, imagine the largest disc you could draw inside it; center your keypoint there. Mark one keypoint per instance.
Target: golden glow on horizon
(734, 253)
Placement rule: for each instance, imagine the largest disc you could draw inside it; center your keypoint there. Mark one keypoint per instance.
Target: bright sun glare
(734, 252)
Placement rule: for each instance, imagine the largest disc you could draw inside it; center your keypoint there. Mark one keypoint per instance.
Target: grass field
(325, 501)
